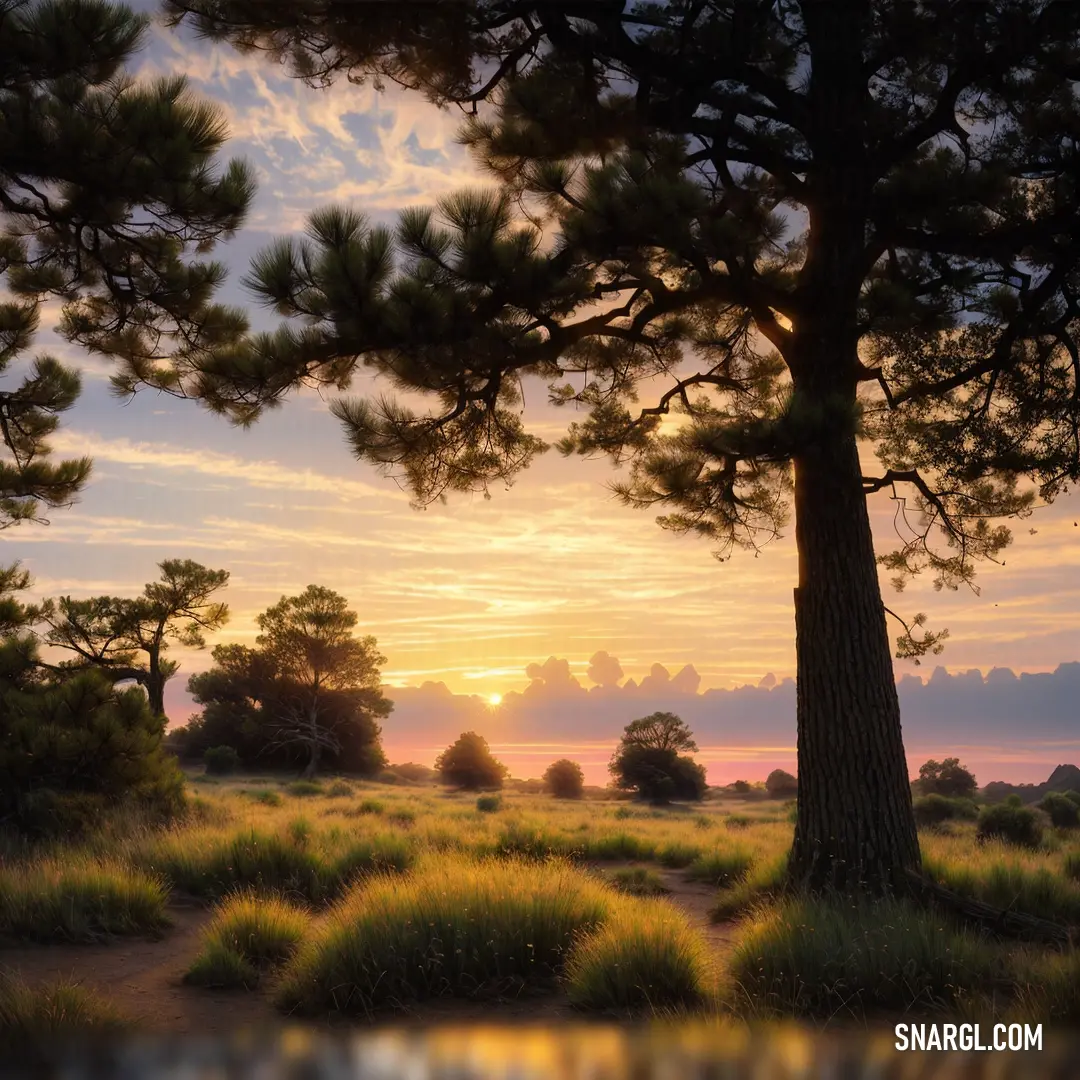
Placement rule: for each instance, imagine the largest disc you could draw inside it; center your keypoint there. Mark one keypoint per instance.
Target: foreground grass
(823, 958)
(450, 927)
(60, 1010)
(1035, 883)
(249, 934)
(75, 899)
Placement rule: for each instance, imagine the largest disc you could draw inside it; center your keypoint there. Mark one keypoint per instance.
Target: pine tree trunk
(855, 826)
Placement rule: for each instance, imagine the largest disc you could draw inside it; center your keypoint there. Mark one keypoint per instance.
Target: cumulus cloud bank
(1011, 724)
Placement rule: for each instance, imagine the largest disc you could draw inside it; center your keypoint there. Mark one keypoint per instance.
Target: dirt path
(695, 898)
(143, 977)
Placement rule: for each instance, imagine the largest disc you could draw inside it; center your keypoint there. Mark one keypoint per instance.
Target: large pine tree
(800, 228)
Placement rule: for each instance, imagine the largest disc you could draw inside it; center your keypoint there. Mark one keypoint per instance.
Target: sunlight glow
(494, 699)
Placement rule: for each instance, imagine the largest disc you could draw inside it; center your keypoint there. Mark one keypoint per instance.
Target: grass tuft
(644, 956)
(452, 927)
(79, 900)
(248, 934)
(58, 1010)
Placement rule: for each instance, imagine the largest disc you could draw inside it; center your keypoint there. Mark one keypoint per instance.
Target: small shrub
(1073, 796)
(339, 789)
(1062, 811)
(623, 812)
(645, 956)
(221, 760)
(303, 789)
(266, 797)
(722, 867)
(489, 804)
(371, 806)
(1010, 823)
(638, 881)
(934, 809)
(703, 821)
(403, 817)
(737, 821)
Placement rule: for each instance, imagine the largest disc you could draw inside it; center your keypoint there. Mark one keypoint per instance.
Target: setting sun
(494, 699)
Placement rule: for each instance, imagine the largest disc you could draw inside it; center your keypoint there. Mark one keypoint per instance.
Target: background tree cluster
(309, 694)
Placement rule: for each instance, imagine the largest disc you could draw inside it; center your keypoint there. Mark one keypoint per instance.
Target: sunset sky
(471, 593)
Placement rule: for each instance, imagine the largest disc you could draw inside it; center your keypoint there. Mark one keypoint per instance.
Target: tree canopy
(309, 689)
(469, 764)
(107, 188)
(797, 229)
(647, 760)
(111, 633)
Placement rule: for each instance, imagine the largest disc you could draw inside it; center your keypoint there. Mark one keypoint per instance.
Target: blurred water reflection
(669, 1052)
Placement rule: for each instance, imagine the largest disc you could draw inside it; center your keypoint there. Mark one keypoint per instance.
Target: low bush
(722, 867)
(932, 810)
(1011, 824)
(64, 900)
(248, 934)
(489, 804)
(371, 806)
(221, 760)
(265, 796)
(737, 821)
(828, 957)
(339, 789)
(449, 928)
(1073, 796)
(644, 956)
(1062, 811)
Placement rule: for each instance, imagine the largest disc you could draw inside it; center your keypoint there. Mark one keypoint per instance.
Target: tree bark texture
(855, 826)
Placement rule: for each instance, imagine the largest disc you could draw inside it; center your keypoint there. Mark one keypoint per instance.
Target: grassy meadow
(348, 899)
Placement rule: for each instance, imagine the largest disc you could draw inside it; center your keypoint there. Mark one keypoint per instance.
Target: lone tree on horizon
(795, 228)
